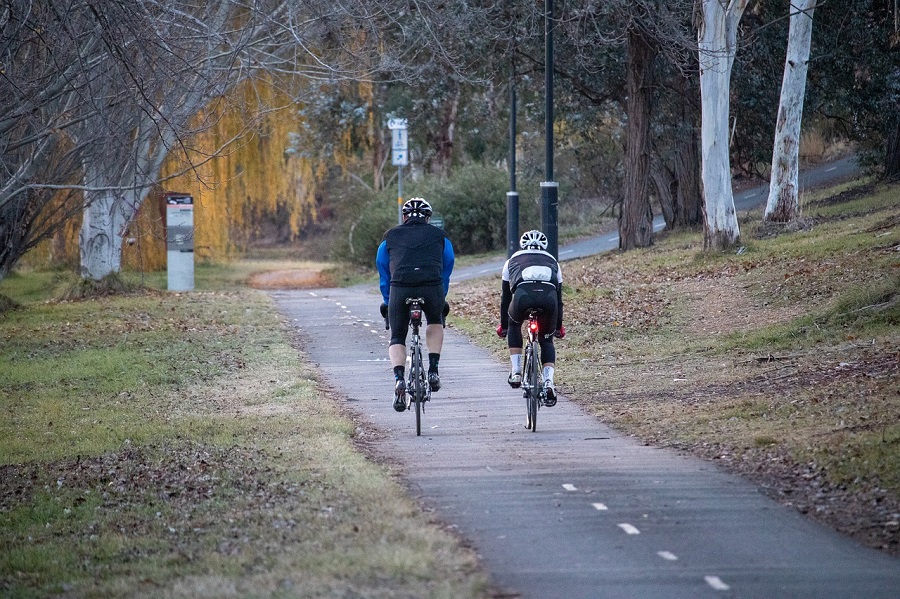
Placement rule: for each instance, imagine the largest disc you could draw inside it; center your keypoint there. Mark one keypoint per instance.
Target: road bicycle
(418, 390)
(532, 378)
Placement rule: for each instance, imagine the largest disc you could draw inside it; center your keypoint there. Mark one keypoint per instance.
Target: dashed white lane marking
(313, 294)
(570, 487)
(667, 555)
(366, 324)
(600, 507)
(485, 270)
(828, 170)
(629, 529)
(337, 303)
(566, 252)
(716, 583)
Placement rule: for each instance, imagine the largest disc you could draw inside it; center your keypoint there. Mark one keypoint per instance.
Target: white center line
(600, 507)
(716, 583)
(313, 294)
(667, 555)
(828, 170)
(566, 252)
(629, 529)
(570, 487)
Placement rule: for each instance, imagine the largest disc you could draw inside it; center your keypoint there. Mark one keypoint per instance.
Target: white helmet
(416, 207)
(533, 240)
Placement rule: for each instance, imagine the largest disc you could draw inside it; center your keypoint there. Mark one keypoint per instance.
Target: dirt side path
(288, 279)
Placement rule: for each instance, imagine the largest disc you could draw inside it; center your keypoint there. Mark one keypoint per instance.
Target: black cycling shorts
(530, 296)
(398, 310)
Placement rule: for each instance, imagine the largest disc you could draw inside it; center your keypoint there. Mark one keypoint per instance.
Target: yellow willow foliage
(252, 186)
(254, 182)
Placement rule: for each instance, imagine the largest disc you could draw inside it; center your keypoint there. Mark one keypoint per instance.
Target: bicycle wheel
(418, 388)
(533, 392)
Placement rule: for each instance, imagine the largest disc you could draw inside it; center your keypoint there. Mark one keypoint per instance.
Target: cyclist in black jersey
(414, 259)
(532, 279)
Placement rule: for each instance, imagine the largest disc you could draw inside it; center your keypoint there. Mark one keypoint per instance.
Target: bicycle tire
(531, 390)
(418, 388)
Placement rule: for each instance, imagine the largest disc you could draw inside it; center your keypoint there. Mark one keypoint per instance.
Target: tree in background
(855, 82)
(55, 58)
(783, 204)
(717, 44)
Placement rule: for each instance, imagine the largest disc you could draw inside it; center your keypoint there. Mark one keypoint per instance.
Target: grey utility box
(180, 241)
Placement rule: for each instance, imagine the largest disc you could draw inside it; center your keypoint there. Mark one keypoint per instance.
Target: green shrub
(472, 203)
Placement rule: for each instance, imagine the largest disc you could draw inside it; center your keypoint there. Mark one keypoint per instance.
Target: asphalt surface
(575, 509)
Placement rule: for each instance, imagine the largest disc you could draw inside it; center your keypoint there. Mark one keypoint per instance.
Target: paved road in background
(744, 200)
(574, 510)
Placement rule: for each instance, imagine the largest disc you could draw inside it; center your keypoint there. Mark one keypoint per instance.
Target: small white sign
(398, 139)
(399, 157)
(396, 123)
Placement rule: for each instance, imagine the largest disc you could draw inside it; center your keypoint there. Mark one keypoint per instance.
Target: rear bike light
(416, 314)
(533, 326)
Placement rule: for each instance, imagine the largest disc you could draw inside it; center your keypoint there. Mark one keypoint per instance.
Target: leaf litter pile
(187, 484)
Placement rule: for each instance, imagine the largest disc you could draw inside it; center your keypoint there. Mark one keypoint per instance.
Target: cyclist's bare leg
(397, 354)
(434, 338)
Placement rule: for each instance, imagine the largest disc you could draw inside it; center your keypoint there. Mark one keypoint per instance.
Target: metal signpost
(399, 158)
(180, 241)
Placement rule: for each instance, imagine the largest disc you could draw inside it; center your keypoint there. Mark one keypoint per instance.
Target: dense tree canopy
(88, 105)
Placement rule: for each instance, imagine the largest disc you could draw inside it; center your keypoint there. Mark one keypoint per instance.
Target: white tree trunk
(717, 41)
(103, 225)
(784, 204)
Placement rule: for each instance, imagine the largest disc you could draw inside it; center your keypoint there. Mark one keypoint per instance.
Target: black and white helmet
(533, 240)
(416, 208)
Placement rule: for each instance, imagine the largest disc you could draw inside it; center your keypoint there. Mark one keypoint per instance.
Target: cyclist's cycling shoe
(515, 380)
(400, 396)
(434, 380)
(550, 399)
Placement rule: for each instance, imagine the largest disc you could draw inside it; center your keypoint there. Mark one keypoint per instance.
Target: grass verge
(173, 445)
(781, 362)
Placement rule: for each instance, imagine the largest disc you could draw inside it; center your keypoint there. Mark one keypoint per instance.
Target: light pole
(512, 196)
(549, 188)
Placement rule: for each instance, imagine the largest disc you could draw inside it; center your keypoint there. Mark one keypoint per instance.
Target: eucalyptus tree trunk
(103, 225)
(783, 204)
(717, 40)
(636, 219)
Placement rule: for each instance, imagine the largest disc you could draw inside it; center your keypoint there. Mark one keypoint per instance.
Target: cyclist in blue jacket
(531, 279)
(414, 259)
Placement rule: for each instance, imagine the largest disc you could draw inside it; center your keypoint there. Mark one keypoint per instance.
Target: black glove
(384, 314)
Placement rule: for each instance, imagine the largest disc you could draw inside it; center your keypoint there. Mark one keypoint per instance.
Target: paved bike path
(575, 510)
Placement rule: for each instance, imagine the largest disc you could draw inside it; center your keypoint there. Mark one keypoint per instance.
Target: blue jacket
(414, 254)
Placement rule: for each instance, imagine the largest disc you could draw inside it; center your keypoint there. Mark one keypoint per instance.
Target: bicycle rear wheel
(418, 387)
(532, 393)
